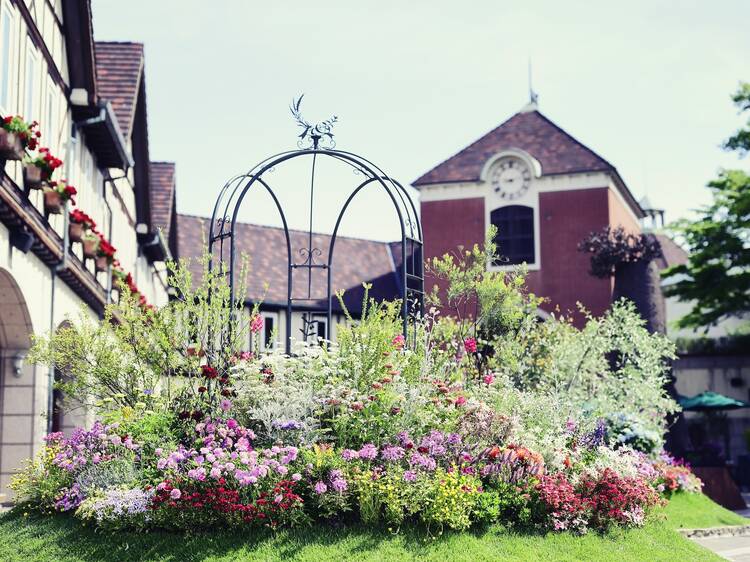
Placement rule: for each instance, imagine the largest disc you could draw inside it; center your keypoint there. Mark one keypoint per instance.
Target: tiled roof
(672, 254)
(556, 151)
(162, 195)
(119, 68)
(355, 261)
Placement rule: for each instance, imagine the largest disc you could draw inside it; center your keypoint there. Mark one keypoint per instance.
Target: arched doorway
(18, 418)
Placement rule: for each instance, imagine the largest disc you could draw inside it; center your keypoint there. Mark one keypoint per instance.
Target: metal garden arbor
(315, 143)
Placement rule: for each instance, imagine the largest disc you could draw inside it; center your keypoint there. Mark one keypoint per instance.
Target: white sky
(645, 84)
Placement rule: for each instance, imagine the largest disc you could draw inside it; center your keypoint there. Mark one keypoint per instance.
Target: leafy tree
(716, 278)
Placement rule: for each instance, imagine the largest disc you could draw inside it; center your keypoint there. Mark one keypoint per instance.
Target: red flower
(209, 372)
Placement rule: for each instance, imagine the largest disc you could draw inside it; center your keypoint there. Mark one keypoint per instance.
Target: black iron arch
(410, 270)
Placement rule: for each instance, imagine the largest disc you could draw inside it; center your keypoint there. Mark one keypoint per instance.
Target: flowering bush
(461, 427)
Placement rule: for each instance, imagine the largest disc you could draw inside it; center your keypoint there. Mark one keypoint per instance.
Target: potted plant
(16, 135)
(56, 195)
(105, 254)
(39, 169)
(90, 241)
(119, 277)
(79, 224)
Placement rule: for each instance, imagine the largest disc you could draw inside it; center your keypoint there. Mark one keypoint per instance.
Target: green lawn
(36, 538)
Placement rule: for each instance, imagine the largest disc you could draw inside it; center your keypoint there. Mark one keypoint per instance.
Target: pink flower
(226, 405)
(349, 454)
(368, 452)
(398, 342)
(489, 378)
(256, 324)
(460, 401)
(197, 474)
(321, 488)
(470, 344)
(175, 494)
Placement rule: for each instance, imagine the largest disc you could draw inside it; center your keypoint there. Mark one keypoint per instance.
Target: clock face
(510, 178)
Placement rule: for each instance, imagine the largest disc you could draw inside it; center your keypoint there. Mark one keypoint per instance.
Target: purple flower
(148, 391)
(368, 452)
(197, 474)
(226, 405)
(296, 477)
(175, 494)
(321, 488)
(410, 476)
(349, 454)
(339, 485)
(287, 425)
(392, 453)
(420, 460)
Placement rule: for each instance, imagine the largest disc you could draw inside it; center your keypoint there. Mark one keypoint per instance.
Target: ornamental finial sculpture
(312, 135)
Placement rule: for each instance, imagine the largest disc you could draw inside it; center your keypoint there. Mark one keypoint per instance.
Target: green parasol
(711, 401)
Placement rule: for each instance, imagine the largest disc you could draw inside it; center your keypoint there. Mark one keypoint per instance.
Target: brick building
(545, 191)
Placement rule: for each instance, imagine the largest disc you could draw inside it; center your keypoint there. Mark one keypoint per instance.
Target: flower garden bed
(38, 538)
(540, 428)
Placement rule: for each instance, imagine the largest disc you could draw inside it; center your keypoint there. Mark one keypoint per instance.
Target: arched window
(515, 234)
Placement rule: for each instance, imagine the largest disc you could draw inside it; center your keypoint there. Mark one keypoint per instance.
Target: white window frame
(530, 198)
(31, 101)
(51, 129)
(6, 96)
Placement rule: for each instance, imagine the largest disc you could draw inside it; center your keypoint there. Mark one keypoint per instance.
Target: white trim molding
(530, 161)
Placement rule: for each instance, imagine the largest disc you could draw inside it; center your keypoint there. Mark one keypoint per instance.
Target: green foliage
(148, 359)
(39, 482)
(488, 300)
(449, 499)
(612, 366)
(112, 473)
(716, 278)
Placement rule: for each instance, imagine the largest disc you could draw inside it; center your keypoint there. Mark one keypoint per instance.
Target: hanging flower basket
(75, 232)
(40, 168)
(90, 245)
(79, 224)
(119, 277)
(17, 135)
(10, 146)
(101, 263)
(33, 176)
(53, 202)
(105, 254)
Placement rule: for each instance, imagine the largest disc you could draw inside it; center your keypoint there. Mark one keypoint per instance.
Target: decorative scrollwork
(315, 136)
(309, 326)
(310, 254)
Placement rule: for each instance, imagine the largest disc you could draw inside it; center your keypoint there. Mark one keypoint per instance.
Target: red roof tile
(119, 68)
(671, 253)
(556, 151)
(162, 192)
(355, 261)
